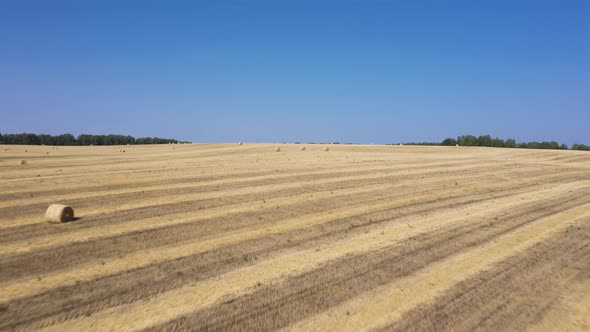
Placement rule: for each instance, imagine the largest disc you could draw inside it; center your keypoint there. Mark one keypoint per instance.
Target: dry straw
(59, 213)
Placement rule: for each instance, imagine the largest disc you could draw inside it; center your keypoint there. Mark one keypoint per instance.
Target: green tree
(498, 142)
(449, 142)
(581, 147)
(65, 139)
(484, 140)
(467, 140)
(510, 143)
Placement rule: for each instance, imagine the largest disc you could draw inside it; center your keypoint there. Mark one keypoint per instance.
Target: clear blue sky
(271, 71)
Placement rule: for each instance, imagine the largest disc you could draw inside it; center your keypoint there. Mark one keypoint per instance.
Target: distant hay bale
(303, 148)
(26, 150)
(122, 150)
(456, 144)
(59, 213)
(326, 149)
(46, 152)
(22, 162)
(241, 143)
(278, 149)
(401, 144)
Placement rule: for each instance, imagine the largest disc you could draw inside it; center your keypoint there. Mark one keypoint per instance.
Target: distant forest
(84, 139)
(487, 140)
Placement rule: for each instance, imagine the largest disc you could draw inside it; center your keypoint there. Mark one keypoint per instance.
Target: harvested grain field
(245, 237)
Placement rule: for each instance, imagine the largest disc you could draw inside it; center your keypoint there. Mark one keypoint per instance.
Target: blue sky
(272, 71)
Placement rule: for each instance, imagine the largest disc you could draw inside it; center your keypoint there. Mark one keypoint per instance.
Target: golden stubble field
(240, 237)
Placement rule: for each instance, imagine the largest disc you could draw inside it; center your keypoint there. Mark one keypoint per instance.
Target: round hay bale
(46, 152)
(241, 143)
(59, 213)
(278, 149)
(26, 150)
(326, 149)
(122, 150)
(22, 162)
(303, 148)
(457, 145)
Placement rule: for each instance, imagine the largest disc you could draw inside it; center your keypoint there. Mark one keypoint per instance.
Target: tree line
(487, 140)
(83, 139)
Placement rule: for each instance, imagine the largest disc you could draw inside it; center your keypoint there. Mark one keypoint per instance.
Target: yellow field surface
(241, 237)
